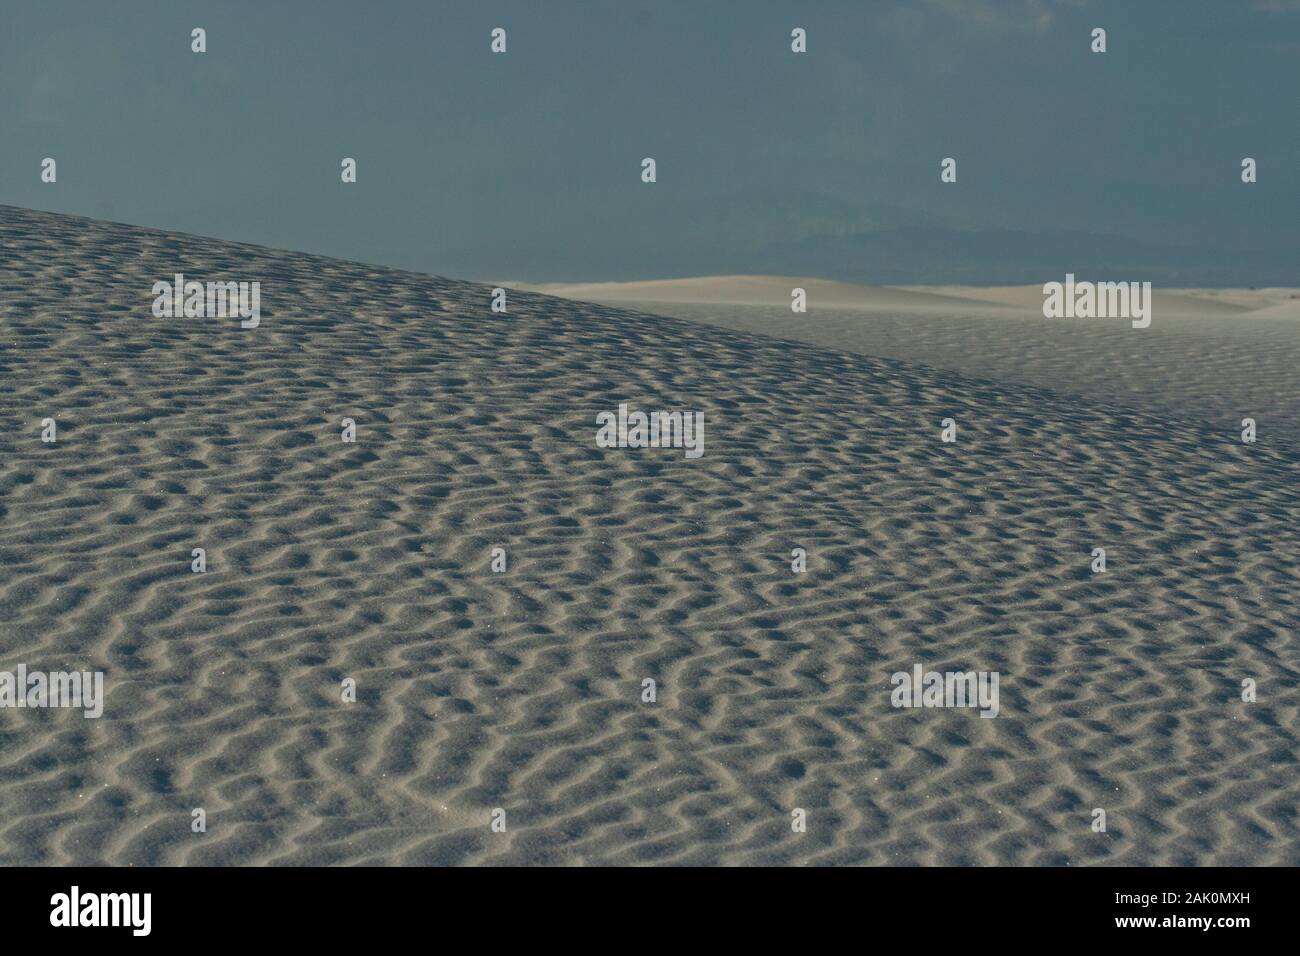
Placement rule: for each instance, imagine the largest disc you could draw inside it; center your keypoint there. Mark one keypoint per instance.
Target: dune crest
(774, 292)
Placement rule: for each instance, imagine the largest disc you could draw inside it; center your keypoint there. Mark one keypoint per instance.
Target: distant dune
(1175, 302)
(774, 291)
(522, 691)
(1215, 355)
(762, 291)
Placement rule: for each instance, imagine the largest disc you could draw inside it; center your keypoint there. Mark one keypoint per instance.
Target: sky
(526, 166)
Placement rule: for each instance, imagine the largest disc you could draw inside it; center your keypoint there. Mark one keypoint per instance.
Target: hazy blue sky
(527, 165)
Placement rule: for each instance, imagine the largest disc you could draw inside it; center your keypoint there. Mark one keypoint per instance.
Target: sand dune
(771, 291)
(522, 690)
(1253, 300)
(1216, 356)
(774, 292)
(1176, 303)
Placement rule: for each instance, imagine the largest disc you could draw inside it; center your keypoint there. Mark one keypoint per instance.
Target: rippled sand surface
(522, 690)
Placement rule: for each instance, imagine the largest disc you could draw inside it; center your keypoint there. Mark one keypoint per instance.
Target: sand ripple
(522, 690)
